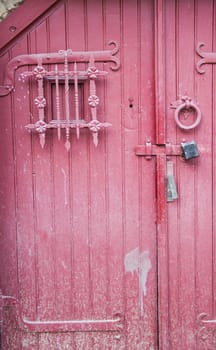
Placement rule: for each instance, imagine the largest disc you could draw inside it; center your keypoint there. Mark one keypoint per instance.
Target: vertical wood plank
(205, 230)
(7, 198)
(129, 133)
(160, 116)
(9, 279)
(24, 189)
(97, 193)
(159, 72)
(187, 181)
(172, 207)
(114, 222)
(147, 191)
(162, 253)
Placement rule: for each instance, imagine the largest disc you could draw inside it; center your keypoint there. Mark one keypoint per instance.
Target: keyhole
(130, 102)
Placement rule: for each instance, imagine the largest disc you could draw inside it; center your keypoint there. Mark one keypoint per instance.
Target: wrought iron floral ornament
(75, 122)
(55, 58)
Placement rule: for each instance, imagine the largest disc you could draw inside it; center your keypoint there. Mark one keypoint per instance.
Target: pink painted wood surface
(85, 215)
(18, 20)
(87, 235)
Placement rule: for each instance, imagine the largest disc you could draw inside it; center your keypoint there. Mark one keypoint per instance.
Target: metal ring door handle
(186, 105)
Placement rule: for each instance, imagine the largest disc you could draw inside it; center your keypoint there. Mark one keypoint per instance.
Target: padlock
(189, 150)
(171, 190)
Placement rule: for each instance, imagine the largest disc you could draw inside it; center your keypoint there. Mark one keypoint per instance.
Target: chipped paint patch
(65, 185)
(139, 263)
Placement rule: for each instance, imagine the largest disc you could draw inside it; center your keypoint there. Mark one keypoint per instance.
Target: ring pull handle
(186, 103)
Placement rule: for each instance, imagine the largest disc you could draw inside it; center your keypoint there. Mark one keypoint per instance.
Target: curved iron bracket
(206, 57)
(206, 327)
(54, 58)
(115, 324)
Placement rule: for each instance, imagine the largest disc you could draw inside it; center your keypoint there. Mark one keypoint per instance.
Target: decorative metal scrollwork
(91, 74)
(56, 58)
(206, 58)
(40, 72)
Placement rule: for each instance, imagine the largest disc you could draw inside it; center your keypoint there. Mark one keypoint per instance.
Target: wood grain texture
(87, 234)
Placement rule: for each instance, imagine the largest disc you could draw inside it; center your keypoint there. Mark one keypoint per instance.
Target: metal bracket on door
(148, 150)
(73, 119)
(55, 58)
(186, 150)
(206, 327)
(206, 58)
(48, 67)
(115, 324)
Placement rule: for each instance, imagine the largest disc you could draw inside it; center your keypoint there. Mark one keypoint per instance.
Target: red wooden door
(92, 254)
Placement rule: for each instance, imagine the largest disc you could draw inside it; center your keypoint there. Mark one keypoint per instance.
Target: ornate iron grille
(75, 121)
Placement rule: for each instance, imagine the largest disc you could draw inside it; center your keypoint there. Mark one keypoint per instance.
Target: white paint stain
(139, 263)
(65, 186)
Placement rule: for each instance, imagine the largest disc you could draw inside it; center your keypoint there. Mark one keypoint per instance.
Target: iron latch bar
(148, 150)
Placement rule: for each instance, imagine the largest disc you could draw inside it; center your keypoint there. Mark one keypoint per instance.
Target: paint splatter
(139, 263)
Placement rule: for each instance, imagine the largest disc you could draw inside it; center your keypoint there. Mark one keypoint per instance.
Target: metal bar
(73, 326)
(67, 105)
(93, 98)
(40, 102)
(76, 98)
(156, 150)
(40, 73)
(105, 325)
(48, 58)
(57, 100)
(40, 96)
(203, 321)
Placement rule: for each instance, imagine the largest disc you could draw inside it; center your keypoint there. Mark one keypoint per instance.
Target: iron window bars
(91, 74)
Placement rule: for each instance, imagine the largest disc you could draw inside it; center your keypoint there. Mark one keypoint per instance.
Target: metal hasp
(187, 150)
(40, 73)
(148, 150)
